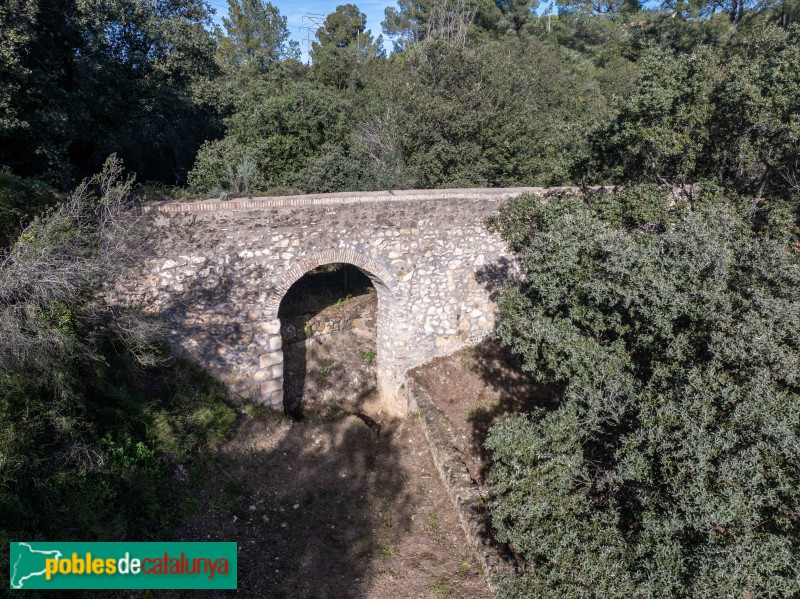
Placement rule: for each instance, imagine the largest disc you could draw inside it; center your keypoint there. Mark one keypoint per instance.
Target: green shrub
(368, 356)
(670, 468)
(19, 199)
(105, 454)
(226, 166)
(95, 423)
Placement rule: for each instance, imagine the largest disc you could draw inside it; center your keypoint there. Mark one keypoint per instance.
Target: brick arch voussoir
(373, 268)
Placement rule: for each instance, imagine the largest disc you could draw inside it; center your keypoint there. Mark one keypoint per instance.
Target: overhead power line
(314, 21)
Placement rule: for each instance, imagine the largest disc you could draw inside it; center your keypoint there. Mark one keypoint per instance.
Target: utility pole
(314, 21)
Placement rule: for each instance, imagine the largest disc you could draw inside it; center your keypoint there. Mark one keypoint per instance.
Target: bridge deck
(349, 197)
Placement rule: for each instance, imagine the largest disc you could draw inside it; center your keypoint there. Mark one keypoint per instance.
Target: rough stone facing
(221, 270)
(468, 501)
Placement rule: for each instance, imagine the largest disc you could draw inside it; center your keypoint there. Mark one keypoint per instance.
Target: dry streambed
(334, 502)
(332, 509)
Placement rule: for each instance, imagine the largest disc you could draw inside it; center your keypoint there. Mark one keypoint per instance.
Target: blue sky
(294, 12)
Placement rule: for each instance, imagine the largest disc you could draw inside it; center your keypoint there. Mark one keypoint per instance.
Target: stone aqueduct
(221, 268)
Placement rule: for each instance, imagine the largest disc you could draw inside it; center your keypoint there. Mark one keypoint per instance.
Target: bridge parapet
(497, 194)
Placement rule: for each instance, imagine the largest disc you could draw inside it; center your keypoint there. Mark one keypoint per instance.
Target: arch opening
(332, 315)
(329, 338)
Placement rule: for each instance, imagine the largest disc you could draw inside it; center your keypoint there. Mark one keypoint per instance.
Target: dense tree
(407, 23)
(343, 44)
(256, 36)
(734, 9)
(275, 129)
(730, 114)
(516, 14)
(16, 18)
(474, 117)
(670, 466)
(86, 397)
(103, 77)
(342, 28)
(598, 7)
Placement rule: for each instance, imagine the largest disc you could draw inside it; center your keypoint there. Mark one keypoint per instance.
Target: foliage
(735, 10)
(517, 15)
(481, 93)
(49, 277)
(367, 356)
(670, 466)
(95, 418)
(475, 118)
(256, 37)
(15, 19)
(98, 460)
(19, 199)
(407, 22)
(279, 127)
(343, 44)
(598, 7)
(730, 114)
(661, 134)
(102, 77)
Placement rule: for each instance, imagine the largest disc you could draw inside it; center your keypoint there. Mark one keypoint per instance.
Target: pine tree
(256, 36)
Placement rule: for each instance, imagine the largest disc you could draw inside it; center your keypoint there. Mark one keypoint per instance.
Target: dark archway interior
(328, 328)
(323, 286)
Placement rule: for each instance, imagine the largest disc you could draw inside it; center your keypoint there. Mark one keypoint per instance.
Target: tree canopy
(669, 468)
(256, 36)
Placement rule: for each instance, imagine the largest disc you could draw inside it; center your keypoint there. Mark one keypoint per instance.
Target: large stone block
(270, 387)
(276, 400)
(269, 327)
(271, 359)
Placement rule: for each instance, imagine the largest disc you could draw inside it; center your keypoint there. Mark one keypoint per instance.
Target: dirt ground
(326, 374)
(333, 509)
(477, 387)
(333, 501)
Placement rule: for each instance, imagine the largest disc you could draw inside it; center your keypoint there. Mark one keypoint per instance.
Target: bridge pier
(269, 376)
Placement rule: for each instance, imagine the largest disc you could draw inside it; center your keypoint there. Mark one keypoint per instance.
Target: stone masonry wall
(220, 269)
(300, 327)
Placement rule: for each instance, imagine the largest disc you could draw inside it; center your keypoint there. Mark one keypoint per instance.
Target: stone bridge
(222, 268)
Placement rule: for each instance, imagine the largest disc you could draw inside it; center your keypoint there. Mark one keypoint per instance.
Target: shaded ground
(477, 387)
(332, 509)
(328, 327)
(335, 371)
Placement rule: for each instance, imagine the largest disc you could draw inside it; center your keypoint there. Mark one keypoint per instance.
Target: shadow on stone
(321, 305)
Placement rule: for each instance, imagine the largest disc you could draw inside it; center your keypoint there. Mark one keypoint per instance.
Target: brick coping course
(350, 197)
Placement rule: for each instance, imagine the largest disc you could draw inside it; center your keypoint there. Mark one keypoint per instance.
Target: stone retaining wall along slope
(466, 495)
